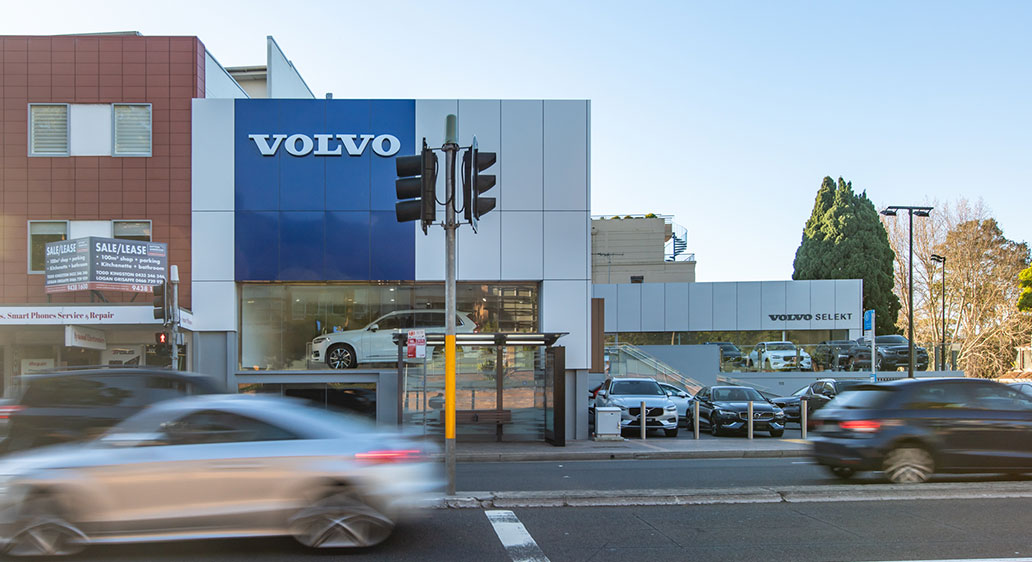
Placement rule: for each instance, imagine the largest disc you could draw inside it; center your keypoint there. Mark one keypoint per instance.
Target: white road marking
(514, 536)
(968, 560)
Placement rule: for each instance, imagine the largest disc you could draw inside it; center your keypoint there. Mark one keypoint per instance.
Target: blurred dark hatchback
(912, 428)
(75, 405)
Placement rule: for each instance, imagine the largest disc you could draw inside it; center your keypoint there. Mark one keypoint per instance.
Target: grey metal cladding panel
(567, 245)
(483, 118)
(725, 306)
(772, 303)
(566, 156)
(822, 303)
(797, 301)
(607, 292)
(749, 306)
(849, 298)
(523, 235)
(523, 150)
(653, 317)
(628, 314)
(700, 307)
(676, 307)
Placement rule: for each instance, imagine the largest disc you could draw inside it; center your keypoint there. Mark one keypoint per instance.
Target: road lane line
(514, 536)
(967, 560)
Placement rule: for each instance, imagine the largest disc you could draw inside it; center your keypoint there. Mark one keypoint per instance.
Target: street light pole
(942, 259)
(891, 211)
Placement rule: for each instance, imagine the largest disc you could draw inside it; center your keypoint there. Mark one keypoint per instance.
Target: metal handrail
(660, 367)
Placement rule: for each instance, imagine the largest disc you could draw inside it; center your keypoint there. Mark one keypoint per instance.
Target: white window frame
(28, 257)
(114, 131)
(68, 135)
(150, 229)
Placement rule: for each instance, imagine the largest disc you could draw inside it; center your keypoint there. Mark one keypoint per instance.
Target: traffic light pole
(450, 148)
(174, 315)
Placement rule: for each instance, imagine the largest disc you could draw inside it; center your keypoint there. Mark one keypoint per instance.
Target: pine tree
(844, 239)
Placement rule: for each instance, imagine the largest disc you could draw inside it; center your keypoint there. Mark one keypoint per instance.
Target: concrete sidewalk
(659, 448)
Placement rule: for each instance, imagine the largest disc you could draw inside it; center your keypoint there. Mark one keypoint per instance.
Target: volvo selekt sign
(326, 144)
(797, 317)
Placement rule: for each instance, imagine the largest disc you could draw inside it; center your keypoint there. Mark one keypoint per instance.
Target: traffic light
(474, 184)
(161, 310)
(161, 338)
(417, 187)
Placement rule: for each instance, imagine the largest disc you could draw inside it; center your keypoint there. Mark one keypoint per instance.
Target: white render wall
(283, 79)
(734, 306)
(540, 229)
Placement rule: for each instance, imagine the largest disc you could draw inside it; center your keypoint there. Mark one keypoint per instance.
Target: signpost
(869, 329)
(416, 347)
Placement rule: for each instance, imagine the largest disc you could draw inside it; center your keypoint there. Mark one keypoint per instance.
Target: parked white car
(779, 356)
(375, 342)
(680, 397)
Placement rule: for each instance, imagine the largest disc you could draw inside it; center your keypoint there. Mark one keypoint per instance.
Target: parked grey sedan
(216, 466)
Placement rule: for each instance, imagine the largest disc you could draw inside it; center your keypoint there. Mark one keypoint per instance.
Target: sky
(725, 115)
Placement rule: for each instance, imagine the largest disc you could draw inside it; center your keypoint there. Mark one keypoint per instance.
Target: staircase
(626, 360)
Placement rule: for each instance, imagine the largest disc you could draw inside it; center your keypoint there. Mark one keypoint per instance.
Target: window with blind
(132, 130)
(48, 129)
(40, 233)
(132, 230)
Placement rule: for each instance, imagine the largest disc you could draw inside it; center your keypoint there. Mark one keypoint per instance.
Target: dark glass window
(222, 427)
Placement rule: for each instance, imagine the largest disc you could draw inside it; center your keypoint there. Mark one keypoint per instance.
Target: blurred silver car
(217, 466)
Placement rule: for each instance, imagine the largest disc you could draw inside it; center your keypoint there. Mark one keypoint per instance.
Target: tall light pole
(942, 259)
(891, 211)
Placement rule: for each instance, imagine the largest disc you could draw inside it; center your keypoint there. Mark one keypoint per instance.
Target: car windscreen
(801, 391)
(891, 340)
(637, 388)
(743, 394)
(860, 398)
(780, 346)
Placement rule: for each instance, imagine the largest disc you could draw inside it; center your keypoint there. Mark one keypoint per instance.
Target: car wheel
(714, 427)
(908, 465)
(670, 432)
(843, 472)
(777, 432)
(341, 519)
(41, 530)
(341, 356)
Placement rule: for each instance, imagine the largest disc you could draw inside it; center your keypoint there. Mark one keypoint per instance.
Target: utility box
(607, 424)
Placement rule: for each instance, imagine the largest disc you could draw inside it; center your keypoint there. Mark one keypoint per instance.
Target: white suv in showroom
(779, 356)
(375, 342)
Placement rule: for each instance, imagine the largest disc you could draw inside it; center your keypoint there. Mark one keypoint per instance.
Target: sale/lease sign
(416, 344)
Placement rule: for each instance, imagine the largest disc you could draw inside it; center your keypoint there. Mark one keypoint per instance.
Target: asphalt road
(666, 474)
(855, 531)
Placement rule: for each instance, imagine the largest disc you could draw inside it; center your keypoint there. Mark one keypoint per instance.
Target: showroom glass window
(279, 321)
(40, 234)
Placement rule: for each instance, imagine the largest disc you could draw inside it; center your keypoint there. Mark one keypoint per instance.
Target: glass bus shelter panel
(351, 398)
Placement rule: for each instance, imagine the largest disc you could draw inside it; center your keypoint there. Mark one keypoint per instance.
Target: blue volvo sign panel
(315, 190)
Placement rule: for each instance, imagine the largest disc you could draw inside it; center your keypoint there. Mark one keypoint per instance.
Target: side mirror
(374, 327)
(668, 393)
(602, 393)
(682, 395)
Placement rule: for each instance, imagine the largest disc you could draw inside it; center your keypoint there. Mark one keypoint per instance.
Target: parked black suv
(817, 394)
(74, 405)
(835, 355)
(729, 352)
(893, 353)
(912, 428)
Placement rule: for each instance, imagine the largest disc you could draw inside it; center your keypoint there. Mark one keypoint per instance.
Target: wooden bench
(497, 417)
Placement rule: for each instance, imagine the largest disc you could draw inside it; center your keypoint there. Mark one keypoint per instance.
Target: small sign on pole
(869, 330)
(416, 344)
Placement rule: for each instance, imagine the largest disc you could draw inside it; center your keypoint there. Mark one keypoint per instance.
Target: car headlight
(670, 407)
(320, 339)
(726, 413)
(779, 413)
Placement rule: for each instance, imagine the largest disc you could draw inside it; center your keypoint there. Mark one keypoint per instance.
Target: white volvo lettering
(262, 142)
(322, 146)
(306, 144)
(299, 144)
(349, 143)
(394, 145)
